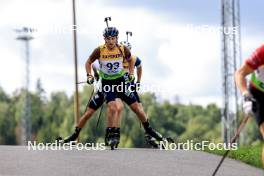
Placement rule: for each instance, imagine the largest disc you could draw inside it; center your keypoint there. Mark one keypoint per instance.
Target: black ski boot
(153, 137)
(117, 136)
(107, 132)
(111, 138)
(70, 138)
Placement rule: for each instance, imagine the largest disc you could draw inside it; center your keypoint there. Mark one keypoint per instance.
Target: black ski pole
(128, 33)
(106, 20)
(242, 125)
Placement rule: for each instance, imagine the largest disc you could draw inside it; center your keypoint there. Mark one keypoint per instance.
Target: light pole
(25, 36)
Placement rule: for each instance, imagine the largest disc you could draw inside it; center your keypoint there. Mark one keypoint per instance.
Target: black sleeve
(138, 62)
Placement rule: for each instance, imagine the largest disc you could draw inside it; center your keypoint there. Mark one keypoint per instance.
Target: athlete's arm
(240, 77)
(131, 64)
(139, 73)
(88, 65)
(251, 64)
(139, 69)
(96, 68)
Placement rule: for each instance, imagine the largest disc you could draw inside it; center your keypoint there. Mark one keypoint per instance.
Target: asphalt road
(18, 161)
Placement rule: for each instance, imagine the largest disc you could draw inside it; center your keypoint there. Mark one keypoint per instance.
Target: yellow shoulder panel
(102, 46)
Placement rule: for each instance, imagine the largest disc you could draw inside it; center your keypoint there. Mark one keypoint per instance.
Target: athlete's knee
(112, 107)
(120, 107)
(135, 107)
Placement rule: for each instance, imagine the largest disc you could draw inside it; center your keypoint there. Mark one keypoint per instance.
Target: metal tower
(231, 58)
(24, 35)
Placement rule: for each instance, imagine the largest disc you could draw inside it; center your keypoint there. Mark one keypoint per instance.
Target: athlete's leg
(120, 107)
(86, 116)
(112, 110)
(112, 113)
(111, 116)
(139, 111)
(130, 99)
(133, 102)
(111, 130)
(115, 127)
(96, 101)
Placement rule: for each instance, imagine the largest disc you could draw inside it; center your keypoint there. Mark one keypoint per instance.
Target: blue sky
(188, 62)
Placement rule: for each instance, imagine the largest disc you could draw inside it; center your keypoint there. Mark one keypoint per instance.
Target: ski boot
(155, 140)
(117, 136)
(153, 137)
(70, 138)
(151, 141)
(112, 138)
(107, 132)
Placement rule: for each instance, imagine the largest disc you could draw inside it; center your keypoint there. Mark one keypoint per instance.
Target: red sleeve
(257, 58)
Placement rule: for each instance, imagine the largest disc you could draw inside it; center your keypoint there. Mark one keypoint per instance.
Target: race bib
(111, 67)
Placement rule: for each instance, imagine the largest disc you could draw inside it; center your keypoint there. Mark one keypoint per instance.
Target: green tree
(7, 122)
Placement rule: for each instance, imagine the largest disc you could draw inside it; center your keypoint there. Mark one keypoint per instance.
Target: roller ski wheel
(151, 141)
(170, 140)
(113, 143)
(155, 143)
(59, 140)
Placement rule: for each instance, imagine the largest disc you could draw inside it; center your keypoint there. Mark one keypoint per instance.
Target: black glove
(90, 79)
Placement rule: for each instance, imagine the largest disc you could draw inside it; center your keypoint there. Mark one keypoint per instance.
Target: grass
(248, 154)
